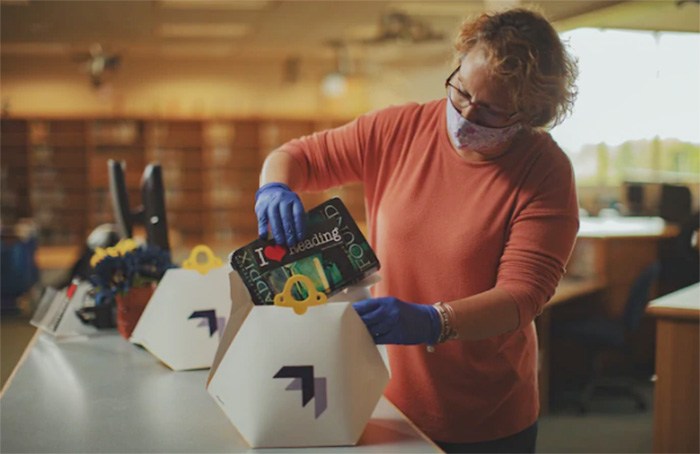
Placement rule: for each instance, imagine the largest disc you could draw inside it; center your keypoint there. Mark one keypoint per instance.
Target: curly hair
(527, 55)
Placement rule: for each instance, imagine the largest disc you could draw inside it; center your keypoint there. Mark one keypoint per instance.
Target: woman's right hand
(281, 208)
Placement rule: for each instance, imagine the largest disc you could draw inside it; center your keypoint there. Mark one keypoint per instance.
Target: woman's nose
(469, 113)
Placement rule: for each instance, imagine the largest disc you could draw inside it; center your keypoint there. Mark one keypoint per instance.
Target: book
(334, 255)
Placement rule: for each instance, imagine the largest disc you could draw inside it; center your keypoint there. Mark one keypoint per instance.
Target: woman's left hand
(391, 321)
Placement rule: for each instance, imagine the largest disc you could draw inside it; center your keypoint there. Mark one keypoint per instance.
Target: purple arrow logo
(210, 319)
(310, 387)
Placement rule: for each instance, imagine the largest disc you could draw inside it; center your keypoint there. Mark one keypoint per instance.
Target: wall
(206, 88)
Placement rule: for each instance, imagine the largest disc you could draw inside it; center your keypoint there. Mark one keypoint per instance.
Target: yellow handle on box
(286, 298)
(192, 263)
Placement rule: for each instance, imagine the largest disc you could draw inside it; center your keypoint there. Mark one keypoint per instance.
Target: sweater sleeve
(540, 241)
(333, 157)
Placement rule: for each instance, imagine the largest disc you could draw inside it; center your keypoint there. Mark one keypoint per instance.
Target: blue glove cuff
(435, 326)
(267, 186)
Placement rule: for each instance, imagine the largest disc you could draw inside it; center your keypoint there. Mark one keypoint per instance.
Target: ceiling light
(203, 30)
(334, 85)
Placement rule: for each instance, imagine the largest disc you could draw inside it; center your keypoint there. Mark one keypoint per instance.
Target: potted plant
(127, 275)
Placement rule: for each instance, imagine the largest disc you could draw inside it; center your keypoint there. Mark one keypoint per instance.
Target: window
(637, 116)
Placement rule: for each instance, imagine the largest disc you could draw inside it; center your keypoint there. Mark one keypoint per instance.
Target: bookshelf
(58, 179)
(14, 171)
(232, 165)
(119, 140)
(177, 146)
(55, 170)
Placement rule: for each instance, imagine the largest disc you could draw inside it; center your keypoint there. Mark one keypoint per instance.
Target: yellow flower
(99, 254)
(126, 245)
(121, 248)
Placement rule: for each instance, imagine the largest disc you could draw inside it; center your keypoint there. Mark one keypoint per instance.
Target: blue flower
(142, 266)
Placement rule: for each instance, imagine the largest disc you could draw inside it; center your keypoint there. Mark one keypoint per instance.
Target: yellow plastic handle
(286, 298)
(202, 267)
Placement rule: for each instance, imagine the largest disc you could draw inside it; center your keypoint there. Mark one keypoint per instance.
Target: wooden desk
(676, 401)
(626, 227)
(618, 250)
(567, 291)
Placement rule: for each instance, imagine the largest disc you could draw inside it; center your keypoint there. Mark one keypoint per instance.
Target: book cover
(333, 255)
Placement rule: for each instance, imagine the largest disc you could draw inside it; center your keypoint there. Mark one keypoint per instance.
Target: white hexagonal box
(289, 380)
(185, 318)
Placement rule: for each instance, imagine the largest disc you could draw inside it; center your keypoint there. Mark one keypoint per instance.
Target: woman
(470, 205)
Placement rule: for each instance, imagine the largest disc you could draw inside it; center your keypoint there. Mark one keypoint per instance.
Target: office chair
(680, 257)
(676, 203)
(601, 334)
(18, 270)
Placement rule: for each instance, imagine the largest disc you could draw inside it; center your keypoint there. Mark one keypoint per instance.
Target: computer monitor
(120, 199)
(153, 196)
(151, 215)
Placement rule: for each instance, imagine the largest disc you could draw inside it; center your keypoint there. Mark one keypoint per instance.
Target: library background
(207, 89)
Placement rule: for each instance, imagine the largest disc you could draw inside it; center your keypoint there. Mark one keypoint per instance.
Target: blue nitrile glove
(391, 321)
(279, 206)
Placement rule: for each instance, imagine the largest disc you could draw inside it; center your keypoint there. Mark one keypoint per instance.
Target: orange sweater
(444, 229)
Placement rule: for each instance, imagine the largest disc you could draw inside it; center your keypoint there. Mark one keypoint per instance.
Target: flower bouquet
(127, 275)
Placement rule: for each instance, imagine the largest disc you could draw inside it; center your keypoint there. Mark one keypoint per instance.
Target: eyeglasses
(486, 115)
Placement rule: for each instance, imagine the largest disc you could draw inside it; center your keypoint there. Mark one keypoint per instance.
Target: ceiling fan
(97, 62)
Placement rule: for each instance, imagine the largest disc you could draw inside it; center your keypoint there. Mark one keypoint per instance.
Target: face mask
(465, 134)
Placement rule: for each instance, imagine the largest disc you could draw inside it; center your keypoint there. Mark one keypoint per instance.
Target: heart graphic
(275, 252)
